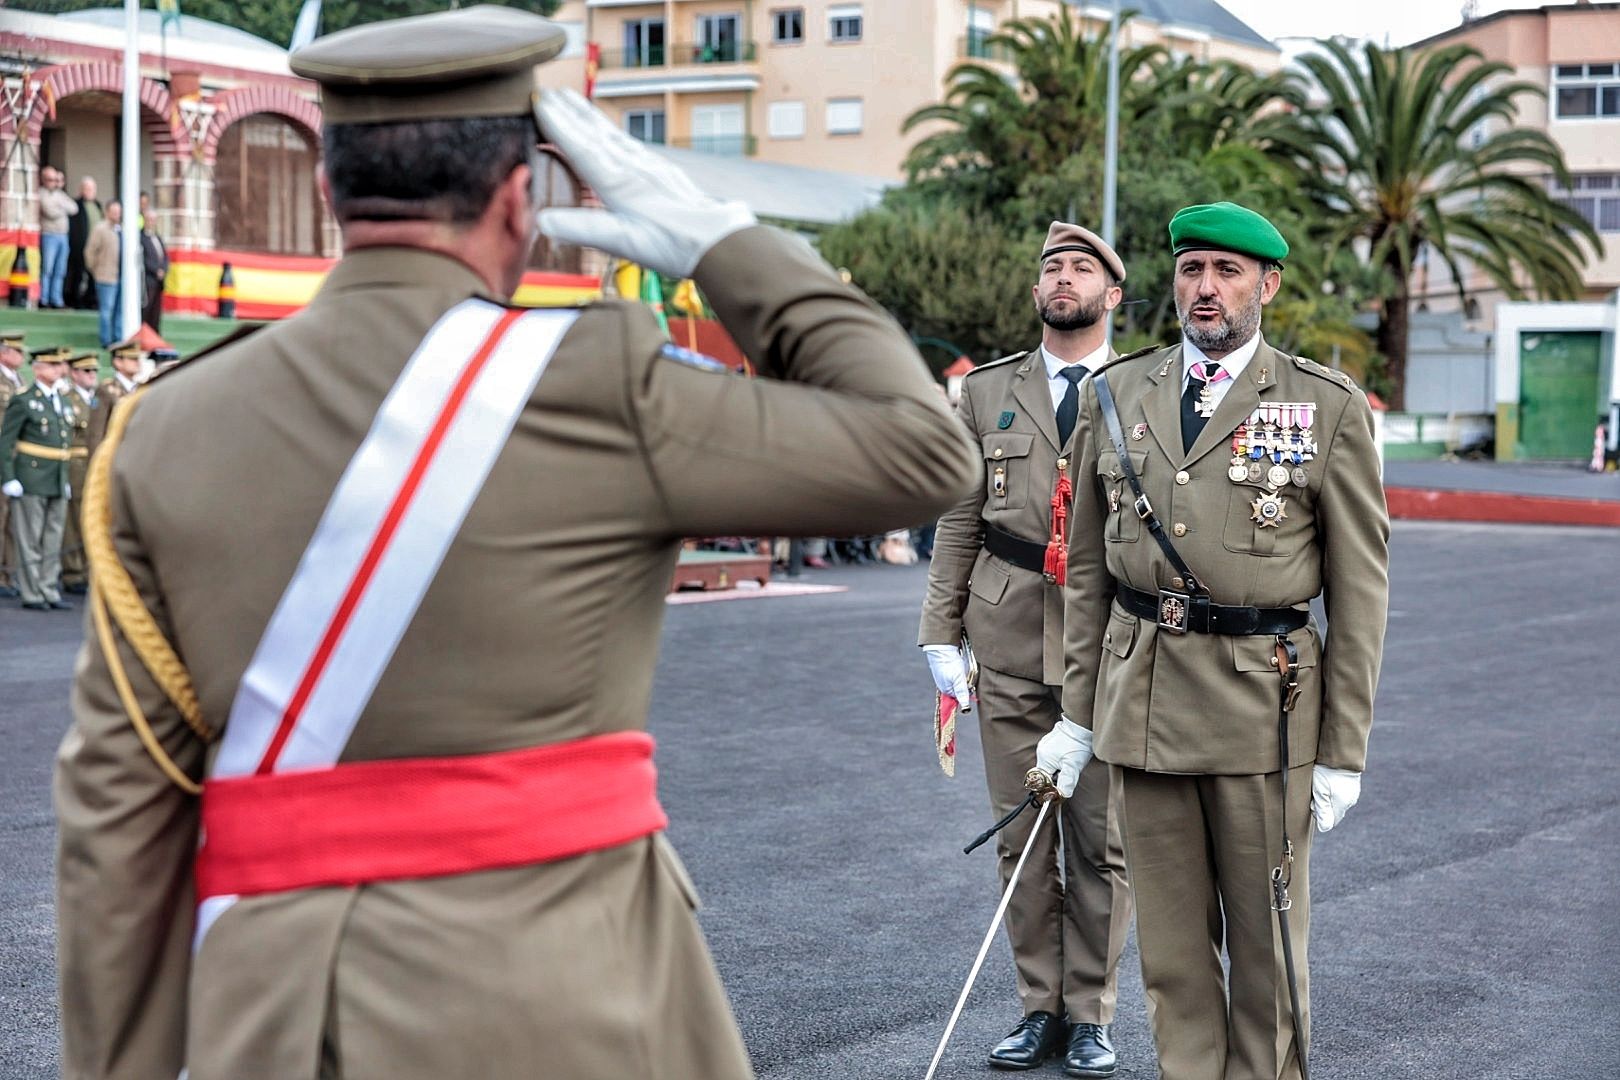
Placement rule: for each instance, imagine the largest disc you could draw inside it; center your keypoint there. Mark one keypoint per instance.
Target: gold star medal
(1269, 510)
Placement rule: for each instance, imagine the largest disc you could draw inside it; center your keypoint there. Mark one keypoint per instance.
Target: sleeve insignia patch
(693, 359)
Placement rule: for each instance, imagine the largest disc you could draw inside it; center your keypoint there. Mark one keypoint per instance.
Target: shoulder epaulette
(998, 362)
(231, 338)
(1337, 378)
(1116, 361)
(693, 359)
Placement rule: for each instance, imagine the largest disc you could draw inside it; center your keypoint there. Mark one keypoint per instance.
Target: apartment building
(822, 84)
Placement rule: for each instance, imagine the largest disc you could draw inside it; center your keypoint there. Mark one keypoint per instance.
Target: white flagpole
(129, 273)
(1111, 146)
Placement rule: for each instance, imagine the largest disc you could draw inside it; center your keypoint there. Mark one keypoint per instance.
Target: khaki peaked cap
(449, 65)
(1063, 236)
(85, 362)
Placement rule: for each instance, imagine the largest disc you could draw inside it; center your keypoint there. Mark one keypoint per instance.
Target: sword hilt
(1040, 784)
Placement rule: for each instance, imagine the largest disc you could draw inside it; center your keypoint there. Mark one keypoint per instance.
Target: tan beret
(1065, 237)
(449, 65)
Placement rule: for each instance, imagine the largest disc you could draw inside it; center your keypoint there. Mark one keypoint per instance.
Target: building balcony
(719, 145)
(679, 55)
(977, 46)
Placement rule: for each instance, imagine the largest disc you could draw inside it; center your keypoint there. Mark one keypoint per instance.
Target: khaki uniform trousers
(36, 525)
(8, 547)
(75, 566)
(1201, 850)
(1066, 942)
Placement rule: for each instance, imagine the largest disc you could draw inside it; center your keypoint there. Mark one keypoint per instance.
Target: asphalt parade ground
(1466, 915)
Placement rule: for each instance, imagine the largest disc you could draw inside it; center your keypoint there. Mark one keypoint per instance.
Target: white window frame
(836, 127)
(785, 119)
(840, 13)
(1600, 190)
(1606, 85)
(777, 13)
(646, 116)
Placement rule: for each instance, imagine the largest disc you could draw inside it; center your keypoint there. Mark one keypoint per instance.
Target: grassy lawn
(78, 330)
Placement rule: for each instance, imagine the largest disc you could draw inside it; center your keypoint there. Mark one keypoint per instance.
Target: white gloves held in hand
(1333, 793)
(13, 488)
(950, 674)
(655, 216)
(1063, 754)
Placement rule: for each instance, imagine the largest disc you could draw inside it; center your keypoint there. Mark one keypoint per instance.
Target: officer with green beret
(1221, 486)
(35, 439)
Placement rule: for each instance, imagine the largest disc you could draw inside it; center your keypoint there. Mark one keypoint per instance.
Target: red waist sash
(425, 817)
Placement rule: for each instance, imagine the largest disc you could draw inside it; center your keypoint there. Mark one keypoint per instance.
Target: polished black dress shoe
(61, 605)
(78, 588)
(1091, 1051)
(36, 606)
(1037, 1037)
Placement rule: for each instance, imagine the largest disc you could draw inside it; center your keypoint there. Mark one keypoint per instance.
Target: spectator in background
(77, 290)
(102, 256)
(56, 208)
(154, 266)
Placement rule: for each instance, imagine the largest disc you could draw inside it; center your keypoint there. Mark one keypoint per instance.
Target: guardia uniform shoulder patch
(1338, 378)
(671, 351)
(998, 362)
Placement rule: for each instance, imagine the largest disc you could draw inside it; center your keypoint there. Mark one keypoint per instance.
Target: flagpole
(129, 273)
(1111, 146)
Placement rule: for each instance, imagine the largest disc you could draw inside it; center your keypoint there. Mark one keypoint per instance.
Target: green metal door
(1559, 396)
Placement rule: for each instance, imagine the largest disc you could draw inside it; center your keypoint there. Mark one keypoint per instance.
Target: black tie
(1192, 423)
(1068, 410)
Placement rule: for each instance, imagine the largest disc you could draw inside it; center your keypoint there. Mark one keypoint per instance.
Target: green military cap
(461, 64)
(51, 354)
(12, 339)
(1226, 226)
(85, 361)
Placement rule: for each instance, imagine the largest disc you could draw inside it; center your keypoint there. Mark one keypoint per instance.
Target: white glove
(1063, 754)
(1333, 793)
(67, 490)
(950, 674)
(655, 215)
(13, 488)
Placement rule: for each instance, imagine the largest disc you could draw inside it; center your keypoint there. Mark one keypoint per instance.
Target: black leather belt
(1024, 554)
(1181, 612)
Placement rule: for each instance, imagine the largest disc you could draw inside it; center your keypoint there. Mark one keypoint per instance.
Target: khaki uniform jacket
(1007, 408)
(83, 430)
(32, 417)
(108, 394)
(1208, 703)
(9, 390)
(541, 625)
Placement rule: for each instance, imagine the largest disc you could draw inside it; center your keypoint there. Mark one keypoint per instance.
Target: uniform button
(1182, 477)
(1178, 583)
(1273, 661)
(996, 452)
(1180, 529)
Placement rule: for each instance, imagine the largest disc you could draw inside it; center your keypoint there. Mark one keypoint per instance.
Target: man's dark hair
(439, 170)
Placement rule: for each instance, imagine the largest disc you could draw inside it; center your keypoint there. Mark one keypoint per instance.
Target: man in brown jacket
(102, 261)
(989, 581)
(425, 636)
(1202, 675)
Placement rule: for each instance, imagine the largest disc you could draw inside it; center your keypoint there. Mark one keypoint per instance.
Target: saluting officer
(35, 437)
(80, 396)
(996, 579)
(431, 841)
(1194, 663)
(12, 358)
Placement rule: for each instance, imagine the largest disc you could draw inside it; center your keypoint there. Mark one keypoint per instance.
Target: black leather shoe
(1037, 1037)
(61, 605)
(39, 606)
(78, 588)
(1091, 1051)
(9, 592)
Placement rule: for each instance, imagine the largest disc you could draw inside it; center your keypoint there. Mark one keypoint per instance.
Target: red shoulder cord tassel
(1057, 548)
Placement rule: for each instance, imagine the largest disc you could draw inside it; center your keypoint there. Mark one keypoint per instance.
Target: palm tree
(1390, 160)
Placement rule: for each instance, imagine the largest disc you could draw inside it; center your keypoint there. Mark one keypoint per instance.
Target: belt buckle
(1173, 609)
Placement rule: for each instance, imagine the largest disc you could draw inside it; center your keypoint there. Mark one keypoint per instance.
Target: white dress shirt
(1232, 363)
(1055, 381)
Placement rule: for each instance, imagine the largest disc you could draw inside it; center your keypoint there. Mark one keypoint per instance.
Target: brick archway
(238, 104)
(159, 116)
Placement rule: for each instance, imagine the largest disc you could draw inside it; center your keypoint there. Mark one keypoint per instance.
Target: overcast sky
(1398, 21)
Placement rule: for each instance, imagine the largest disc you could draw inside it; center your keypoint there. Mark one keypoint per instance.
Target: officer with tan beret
(1222, 486)
(12, 358)
(996, 579)
(358, 782)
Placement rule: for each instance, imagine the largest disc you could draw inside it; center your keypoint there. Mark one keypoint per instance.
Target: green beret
(1226, 226)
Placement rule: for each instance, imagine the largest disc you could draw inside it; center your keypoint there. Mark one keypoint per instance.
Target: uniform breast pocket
(1265, 521)
(1006, 470)
(1124, 524)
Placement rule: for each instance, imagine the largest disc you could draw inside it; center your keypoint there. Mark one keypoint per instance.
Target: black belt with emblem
(1024, 554)
(1202, 617)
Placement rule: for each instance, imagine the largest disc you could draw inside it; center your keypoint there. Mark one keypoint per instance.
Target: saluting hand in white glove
(1333, 793)
(1063, 754)
(13, 488)
(950, 674)
(655, 217)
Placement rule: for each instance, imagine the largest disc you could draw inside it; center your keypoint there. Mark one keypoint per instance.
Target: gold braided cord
(126, 694)
(118, 588)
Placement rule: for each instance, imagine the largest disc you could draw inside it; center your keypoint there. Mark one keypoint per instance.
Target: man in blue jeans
(103, 257)
(55, 208)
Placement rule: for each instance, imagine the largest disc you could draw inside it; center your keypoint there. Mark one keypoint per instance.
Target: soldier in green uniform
(35, 437)
(1223, 486)
(11, 384)
(83, 372)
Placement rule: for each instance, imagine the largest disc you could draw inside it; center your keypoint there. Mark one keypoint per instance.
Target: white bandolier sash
(379, 544)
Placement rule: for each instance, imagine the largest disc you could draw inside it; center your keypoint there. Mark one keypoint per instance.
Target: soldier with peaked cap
(1194, 664)
(12, 358)
(409, 672)
(35, 436)
(126, 365)
(996, 579)
(84, 371)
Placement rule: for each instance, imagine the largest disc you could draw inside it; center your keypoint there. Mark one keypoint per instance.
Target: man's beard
(1227, 334)
(1086, 313)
